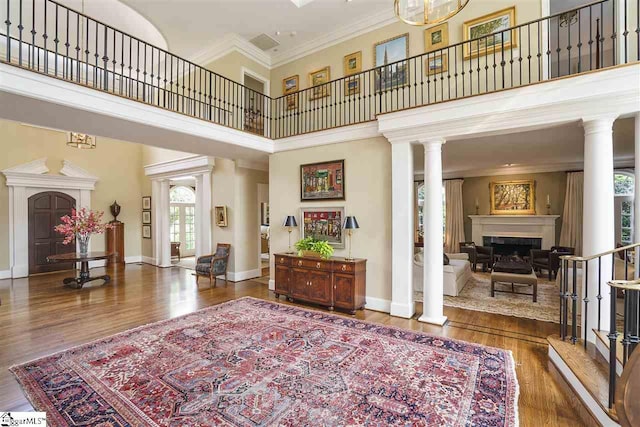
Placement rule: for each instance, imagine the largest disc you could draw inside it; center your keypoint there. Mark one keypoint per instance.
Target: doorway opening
(182, 219)
(255, 102)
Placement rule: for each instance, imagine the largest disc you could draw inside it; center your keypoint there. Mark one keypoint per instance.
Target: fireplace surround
(542, 227)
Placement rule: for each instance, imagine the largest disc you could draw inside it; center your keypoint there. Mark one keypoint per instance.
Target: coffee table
(83, 259)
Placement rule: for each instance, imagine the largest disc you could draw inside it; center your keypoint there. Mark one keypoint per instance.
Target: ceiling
(190, 26)
(554, 148)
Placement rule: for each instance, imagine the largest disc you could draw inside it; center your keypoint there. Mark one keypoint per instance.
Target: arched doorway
(45, 211)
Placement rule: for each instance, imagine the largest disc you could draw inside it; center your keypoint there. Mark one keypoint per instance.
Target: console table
(78, 282)
(332, 283)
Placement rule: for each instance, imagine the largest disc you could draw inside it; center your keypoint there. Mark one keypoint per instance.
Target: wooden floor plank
(39, 316)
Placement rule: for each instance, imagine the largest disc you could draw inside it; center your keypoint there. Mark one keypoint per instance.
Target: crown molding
(255, 165)
(34, 167)
(231, 42)
(74, 171)
(355, 29)
(191, 165)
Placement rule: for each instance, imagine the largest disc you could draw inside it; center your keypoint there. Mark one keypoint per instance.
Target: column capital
(432, 143)
(594, 124)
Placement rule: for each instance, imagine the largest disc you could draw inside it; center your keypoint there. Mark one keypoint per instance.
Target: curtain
(571, 234)
(454, 215)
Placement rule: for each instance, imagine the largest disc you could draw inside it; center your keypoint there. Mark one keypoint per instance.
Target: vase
(83, 243)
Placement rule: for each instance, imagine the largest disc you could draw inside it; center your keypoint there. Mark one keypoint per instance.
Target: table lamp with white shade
(350, 224)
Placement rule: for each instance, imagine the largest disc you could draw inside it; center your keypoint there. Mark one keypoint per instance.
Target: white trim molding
(231, 43)
(31, 178)
(378, 304)
(240, 276)
(248, 164)
(160, 174)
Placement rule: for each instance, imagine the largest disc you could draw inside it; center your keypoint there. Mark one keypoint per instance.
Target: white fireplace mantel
(532, 226)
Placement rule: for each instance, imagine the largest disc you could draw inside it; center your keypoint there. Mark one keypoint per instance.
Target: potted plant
(80, 225)
(310, 246)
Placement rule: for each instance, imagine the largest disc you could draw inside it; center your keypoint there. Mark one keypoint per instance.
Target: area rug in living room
(476, 295)
(250, 362)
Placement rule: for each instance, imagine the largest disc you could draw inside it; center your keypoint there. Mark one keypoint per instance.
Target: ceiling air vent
(264, 42)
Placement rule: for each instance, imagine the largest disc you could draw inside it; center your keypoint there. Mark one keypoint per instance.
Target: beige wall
(368, 197)
(553, 183)
(230, 66)
(247, 213)
(333, 56)
(115, 163)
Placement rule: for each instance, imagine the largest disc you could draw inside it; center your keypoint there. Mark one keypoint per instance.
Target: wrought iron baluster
(585, 333)
(613, 338)
(574, 305)
(8, 35)
(45, 58)
(599, 297)
(56, 40)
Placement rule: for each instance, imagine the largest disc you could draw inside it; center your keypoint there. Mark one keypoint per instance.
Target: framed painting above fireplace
(513, 197)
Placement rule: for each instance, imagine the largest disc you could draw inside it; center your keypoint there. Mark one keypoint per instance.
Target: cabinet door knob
(299, 262)
(282, 260)
(317, 265)
(344, 267)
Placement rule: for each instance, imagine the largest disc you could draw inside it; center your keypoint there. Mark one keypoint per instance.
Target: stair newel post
(574, 305)
(633, 319)
(625, 326)
(613, 335)
(565, 304)
(586, 302)
(599, 297)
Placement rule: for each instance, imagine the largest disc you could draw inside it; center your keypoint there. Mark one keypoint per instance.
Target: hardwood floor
(39, 316)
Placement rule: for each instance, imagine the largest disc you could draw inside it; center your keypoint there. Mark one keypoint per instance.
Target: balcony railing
(49, 38)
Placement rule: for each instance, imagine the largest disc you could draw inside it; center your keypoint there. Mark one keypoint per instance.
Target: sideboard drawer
(283, 260)
(312, 264)
(343, 267)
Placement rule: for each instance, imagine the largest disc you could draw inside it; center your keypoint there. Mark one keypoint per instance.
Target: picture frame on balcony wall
(436, 64)
(388, 57)
(436, 37)
(513, 197)
(221, 216)
(353, 63)
(317, 81)
(488, 29)
(291, 85)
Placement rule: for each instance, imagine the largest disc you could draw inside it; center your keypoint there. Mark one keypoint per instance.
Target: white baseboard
(5, 274)
(582, 392)
(378, 304)
(133, 259)
(148, 260)
(239, 276)
(272, 285)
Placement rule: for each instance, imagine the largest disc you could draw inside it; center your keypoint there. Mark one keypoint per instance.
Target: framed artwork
(485, 28)
(436, 64)
(322, 181)
(385, 54)
(352, 86)
(146, 203)
(264, 213)
(146, 217)
(436, 37)
(353, 63)
(291, 85)
(513, 197)
(317, 80)
(221, 216)
(324, 224)
(146, 231)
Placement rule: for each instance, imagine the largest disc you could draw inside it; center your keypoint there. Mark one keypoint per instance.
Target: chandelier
(422, 12)
(81, 140)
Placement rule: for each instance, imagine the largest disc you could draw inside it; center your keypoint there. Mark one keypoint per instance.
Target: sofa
(456, 274)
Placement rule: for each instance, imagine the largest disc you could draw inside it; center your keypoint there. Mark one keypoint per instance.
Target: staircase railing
(49, 38)
(575, 324)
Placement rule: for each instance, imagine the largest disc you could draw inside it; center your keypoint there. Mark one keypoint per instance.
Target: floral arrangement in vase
(80, 225)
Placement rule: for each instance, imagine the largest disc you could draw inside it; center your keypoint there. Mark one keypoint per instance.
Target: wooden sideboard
(333, 283)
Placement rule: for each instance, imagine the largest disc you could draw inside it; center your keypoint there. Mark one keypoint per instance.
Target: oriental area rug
(251, 362)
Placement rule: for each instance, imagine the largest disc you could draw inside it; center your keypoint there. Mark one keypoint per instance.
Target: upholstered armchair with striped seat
(215, 265)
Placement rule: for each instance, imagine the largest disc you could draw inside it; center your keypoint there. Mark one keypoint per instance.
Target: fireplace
(512, 245)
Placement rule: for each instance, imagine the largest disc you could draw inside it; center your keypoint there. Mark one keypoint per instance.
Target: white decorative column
(636, 199)
(165, 237)
(402, 230)
(433, 234)
(203, 214)
(598, 215)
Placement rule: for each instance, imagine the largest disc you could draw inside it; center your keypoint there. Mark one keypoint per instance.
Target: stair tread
(603, 337)
(593, 374)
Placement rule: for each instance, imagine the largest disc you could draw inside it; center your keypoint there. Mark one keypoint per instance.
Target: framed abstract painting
(513, 197)
(323, 224)
(322, 181)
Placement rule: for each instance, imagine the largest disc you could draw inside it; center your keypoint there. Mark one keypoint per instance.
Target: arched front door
(45, 211)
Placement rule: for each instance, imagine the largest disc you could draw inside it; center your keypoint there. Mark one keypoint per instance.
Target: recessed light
(278, 33)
